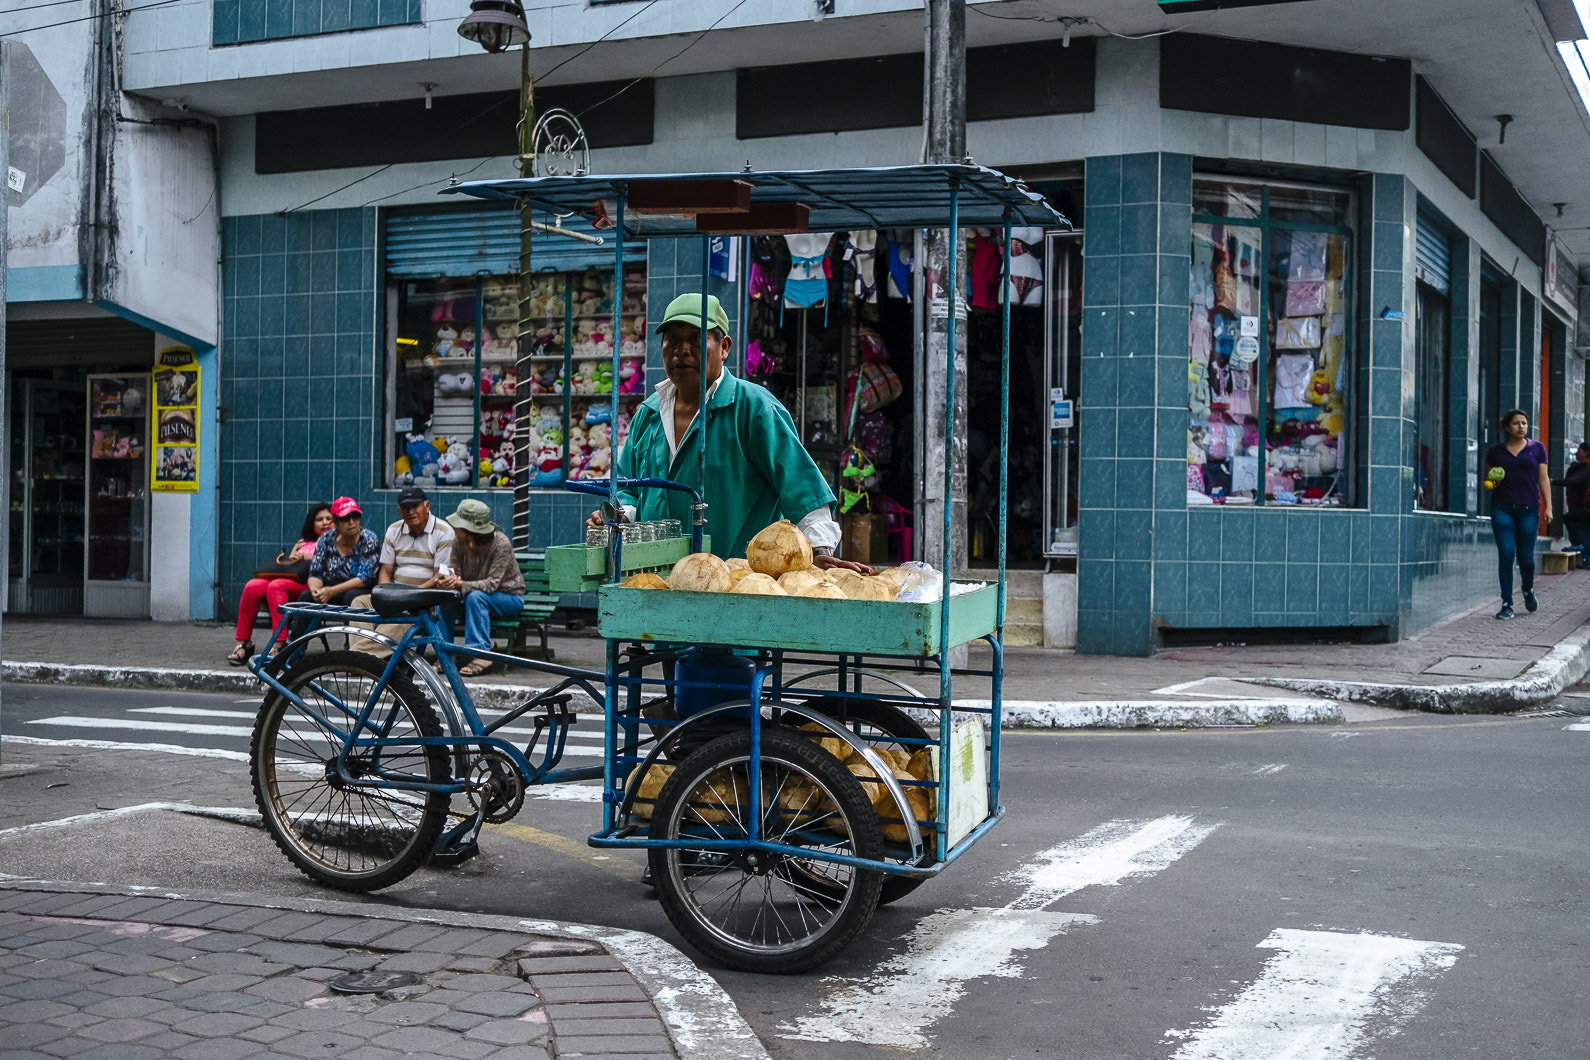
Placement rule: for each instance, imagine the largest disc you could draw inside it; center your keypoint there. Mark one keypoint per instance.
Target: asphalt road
(1403, 889)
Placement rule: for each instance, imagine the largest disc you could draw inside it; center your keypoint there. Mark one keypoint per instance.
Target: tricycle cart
(800, 781)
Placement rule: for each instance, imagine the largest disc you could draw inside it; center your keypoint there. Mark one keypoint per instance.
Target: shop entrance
(48, 462)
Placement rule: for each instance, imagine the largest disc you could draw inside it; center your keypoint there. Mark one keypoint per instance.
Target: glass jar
(596, 536)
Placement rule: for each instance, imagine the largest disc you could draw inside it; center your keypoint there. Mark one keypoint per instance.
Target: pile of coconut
(778, 562)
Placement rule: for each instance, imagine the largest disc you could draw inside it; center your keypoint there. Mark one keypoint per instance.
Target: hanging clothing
(769, 265)
(986, 266)
(1026, 266)
(1293, 371)
(902, 256)
(862, 251)
(808, 275)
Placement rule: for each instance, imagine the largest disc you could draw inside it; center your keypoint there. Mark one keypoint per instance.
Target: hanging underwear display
(1026, 266)
(902, 256)
(984, 273)
(861, 250)
(808, 275)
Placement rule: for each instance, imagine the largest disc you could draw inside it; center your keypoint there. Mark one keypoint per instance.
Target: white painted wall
(170, 543)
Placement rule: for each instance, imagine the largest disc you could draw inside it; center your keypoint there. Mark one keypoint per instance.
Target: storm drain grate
(1547, 714)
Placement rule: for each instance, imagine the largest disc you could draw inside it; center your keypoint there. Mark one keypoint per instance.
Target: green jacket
(757, 470)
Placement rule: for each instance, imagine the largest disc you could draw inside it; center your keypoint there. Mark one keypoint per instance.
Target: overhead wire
(1078, 21)
(652, 72)
(80, 18)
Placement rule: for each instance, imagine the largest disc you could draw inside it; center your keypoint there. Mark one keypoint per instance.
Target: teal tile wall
(300, 382)
(243, 21)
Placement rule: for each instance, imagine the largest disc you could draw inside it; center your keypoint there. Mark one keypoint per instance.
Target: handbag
(283, 566)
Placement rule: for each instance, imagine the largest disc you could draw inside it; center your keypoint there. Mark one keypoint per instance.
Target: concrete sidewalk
(1468, 663)
(144, 974)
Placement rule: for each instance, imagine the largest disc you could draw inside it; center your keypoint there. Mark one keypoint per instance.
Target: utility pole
(5, 211)
(946, 143)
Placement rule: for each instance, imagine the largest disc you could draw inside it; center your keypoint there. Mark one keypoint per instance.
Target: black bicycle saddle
(391, 600)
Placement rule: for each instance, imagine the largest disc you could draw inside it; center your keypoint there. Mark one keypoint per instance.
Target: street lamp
(497, 25)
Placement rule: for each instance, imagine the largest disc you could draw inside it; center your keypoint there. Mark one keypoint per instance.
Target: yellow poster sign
(175, 467)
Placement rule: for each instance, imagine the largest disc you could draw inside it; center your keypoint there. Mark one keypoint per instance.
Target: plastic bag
(923, 584)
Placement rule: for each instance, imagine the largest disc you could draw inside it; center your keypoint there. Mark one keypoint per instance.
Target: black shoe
(1530, 603)
(1505, 612)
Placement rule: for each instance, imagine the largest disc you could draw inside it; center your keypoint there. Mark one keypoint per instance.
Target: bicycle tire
(890, 721)
(350, 838)
(692, 885)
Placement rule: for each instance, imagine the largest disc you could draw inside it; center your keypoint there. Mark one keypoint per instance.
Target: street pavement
(1406, 888)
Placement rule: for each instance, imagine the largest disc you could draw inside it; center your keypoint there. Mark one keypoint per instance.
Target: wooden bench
(539, 603)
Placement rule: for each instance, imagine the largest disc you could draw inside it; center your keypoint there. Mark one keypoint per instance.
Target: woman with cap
(487, 574)
(346, 557)
(281, 586)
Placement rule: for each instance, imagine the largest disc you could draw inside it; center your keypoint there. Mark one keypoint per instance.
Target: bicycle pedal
(455, 855)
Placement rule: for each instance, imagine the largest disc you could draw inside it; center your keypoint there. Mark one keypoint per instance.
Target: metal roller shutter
(486, 242)
(1433, 254)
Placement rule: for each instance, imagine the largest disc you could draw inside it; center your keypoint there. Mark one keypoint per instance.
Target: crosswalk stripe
(570, 750)
(585, 735)
(1325, 996)
(950, 948)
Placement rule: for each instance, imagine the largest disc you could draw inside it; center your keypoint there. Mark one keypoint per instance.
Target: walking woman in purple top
(1520, 503)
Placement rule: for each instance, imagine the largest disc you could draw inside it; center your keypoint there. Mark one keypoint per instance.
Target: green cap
(686, 309)
(474, 516)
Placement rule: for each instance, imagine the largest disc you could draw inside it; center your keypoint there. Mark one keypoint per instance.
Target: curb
(702, 1020)
(1165, 714)
(1019, 714)
(1561, 667)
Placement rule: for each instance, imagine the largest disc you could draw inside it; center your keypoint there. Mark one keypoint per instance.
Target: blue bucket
(711, 666)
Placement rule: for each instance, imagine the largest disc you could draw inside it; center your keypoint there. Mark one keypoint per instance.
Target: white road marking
(144, 807)
(1578, 726)
(1324, 996)
(570, 750)
(950, 948)
(194, 712)
(1344, 735)
(1184, 689)
(1269, 770)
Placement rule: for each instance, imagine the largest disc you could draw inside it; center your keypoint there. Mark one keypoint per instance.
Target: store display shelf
(574, 356)
(116, 416)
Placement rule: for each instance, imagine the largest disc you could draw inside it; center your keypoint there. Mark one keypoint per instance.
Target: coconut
(779, 549)
(895, 576)
(651, 784)
(700, 572)
(904, 766)
(860, 587)
(644, 580)
(797, 581)
(737, 575)
(738, 563)
(754, 584)
(824, 590)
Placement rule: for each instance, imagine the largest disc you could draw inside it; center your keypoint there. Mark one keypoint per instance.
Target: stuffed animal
(630, 375)
(602, 378)
(597, 465)
(508, 383)
(445, 337)
(599, 412)
(453, 467)
(483, 469)
(502, 466)
(621, 426)
(465, 346)
(419, 452)
(490, 376)
(401, 475)
(453, 383)
(1319, 386)
(548, 467)
(1334, 420)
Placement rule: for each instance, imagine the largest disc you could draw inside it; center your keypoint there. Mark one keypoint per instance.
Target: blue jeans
(1515, 527)
(479, 609)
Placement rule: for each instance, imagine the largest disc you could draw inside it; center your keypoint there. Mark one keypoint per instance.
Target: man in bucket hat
(757, 469)
(487, 574)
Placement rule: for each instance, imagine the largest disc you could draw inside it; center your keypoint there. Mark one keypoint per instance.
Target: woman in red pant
(277, 591)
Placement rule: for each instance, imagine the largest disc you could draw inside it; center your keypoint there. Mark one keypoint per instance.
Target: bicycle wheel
(880, 724)
(350, 838)
(750, 909)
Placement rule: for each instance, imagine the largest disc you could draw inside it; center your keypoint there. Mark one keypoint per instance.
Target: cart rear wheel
(750, 909)
(343, 836)
(879, 724)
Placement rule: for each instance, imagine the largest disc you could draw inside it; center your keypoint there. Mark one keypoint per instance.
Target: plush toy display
(453, 466)
(1318, 387)
(401, 475)
(631, 375)
(548, 467)
(490, 376)
(445, 337)
(465, 346)
(449, 384)
(508, 383)
(502, 466)
(599, 412)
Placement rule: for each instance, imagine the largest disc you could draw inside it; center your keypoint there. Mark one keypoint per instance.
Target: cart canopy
(838, 199)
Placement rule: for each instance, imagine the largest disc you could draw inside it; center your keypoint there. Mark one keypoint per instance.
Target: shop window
(1268, 345)
(1432, 394)
(457, 378)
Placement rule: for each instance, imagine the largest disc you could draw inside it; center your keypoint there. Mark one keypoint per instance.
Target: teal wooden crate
(583, 568)
(795, 623)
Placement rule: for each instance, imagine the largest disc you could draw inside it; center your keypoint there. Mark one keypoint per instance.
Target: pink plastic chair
(899, 517)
